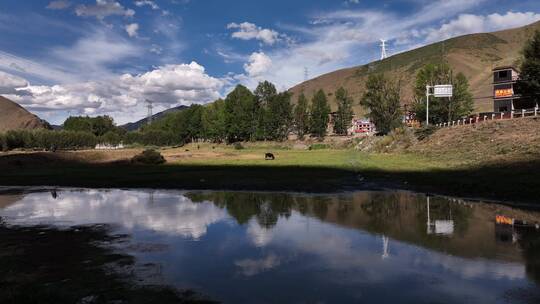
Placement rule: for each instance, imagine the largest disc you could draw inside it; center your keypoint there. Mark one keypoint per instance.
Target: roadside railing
(492, 116)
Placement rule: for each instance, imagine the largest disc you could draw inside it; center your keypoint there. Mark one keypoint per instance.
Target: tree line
(264, 114)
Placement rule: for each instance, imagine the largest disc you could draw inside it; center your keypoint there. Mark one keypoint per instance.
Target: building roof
(507, 67)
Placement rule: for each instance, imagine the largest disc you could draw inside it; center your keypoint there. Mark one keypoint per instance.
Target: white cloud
(59, 5)
(89, 58)
(151, 4)
(156, 49)
(169, 85)
(132, 29)
(10, 83)
(251, 267)
(249, 31)
(94, 52)
(468, 24)
(258, 64)
(102, 9)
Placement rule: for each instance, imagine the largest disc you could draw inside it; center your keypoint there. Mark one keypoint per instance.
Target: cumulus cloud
(59, 5)
(249, 31)
(132, 29)
(149, 3)
(469, 24)
(102, 9)
(169, 85)
(10, 83)
(259, 63)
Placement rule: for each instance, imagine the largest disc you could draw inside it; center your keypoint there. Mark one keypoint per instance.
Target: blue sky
(92, 57)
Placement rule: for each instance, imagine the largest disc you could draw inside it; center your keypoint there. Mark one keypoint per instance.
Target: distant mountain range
(13, 116)
(474, 55)
(133, 126)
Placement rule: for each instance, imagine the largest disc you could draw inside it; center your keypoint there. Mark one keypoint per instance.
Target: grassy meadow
(222, 167)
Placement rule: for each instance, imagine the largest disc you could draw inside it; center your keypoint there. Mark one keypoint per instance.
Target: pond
(244, 247)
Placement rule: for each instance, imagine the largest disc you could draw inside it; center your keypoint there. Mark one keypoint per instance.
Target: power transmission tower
(306, 74)
(149, 106)
(384, 55)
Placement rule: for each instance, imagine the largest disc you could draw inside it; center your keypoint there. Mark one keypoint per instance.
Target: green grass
(325, 170)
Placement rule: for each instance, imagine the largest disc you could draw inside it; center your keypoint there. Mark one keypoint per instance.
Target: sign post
(441, 90)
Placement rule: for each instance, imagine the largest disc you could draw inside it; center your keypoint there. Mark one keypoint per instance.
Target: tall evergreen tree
(382, 99)
(320, 111)
(239, 109)
(344, 113)
(442, 109)
(301, 116)
(529, 84)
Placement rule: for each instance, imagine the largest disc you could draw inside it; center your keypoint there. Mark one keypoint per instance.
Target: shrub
(46, 139)
(398, 139)
(149, 157)
(425, 132)
(238, 146)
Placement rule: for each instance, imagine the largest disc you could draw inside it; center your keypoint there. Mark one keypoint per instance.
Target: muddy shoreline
(45, 264)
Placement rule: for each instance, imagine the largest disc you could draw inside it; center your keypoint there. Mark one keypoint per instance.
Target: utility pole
(427, 104)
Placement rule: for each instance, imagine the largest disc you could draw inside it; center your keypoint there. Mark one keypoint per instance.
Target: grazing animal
(269, 156)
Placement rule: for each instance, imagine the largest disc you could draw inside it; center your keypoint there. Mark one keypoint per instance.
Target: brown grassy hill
(13, 116)
(475, 55)
(498, 141)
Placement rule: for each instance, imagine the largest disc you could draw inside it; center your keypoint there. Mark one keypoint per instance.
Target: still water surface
(239, 247)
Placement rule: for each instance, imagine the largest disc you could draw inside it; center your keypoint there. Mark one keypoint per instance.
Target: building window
(503, 74)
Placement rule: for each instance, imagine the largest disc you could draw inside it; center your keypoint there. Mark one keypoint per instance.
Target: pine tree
(382, 99)
(301, 116)
(529, 84)
(344, 113)
(320, 111)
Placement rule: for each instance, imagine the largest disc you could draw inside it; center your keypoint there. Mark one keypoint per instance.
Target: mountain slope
(133, 126)
(13, 116)
(474, 55)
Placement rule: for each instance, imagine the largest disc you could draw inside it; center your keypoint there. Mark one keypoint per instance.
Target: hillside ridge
(14, 116)
(475, 55)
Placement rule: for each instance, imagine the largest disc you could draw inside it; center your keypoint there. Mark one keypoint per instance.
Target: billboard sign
(445, 90)
(504, 93)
